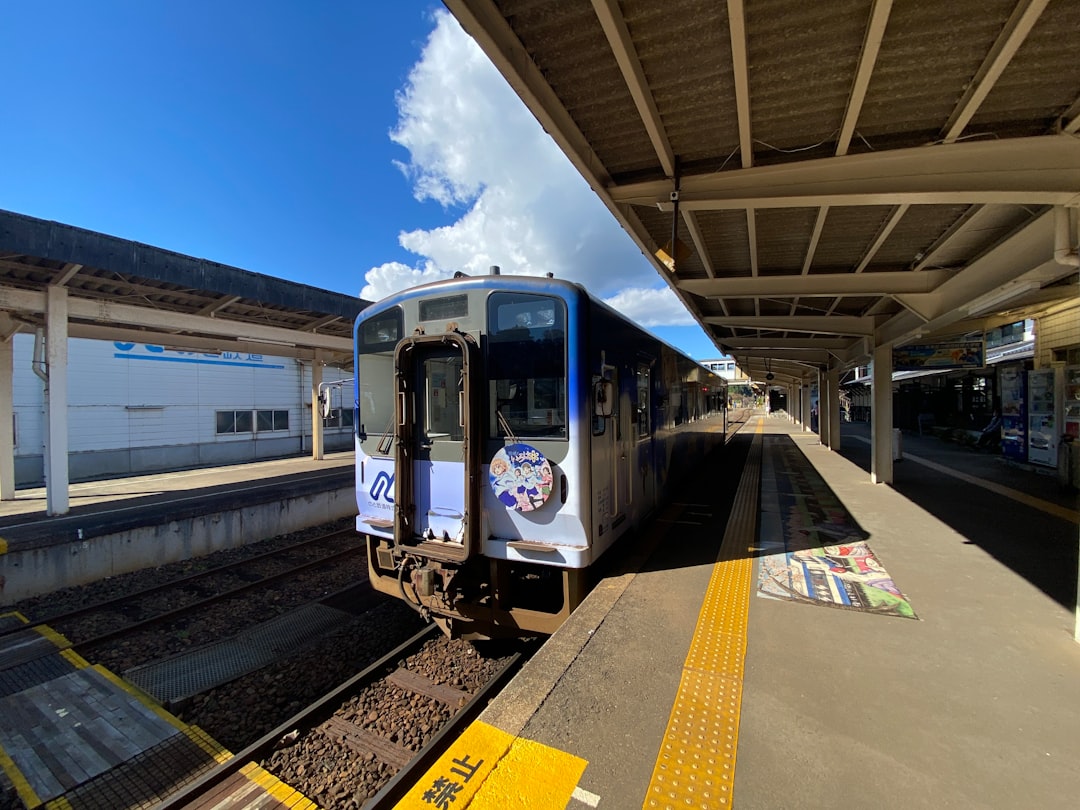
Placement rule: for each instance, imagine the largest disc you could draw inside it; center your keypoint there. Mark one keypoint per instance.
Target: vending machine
(1042, 425)
(1013, 413)
(1071, 395)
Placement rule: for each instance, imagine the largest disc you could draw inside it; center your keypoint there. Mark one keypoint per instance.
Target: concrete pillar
(7, 433)
(832, 382)
(317, 452)
(806, 405)
(56, 402)
(823, 408)
(881, 418)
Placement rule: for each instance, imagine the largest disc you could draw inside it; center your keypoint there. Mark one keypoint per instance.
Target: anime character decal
(520, 477)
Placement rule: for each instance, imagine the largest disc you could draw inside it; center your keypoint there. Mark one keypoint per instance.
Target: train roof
(538, 284)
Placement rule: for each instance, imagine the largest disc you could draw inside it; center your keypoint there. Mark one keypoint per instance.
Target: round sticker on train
(520, 477)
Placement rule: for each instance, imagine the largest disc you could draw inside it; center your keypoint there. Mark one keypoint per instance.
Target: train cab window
(526, 364)
(380, 333)
(377, 337)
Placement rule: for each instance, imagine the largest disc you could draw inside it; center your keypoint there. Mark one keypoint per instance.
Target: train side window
(644, 401)
(603, 403)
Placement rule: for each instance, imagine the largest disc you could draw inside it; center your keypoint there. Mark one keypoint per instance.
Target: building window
(231, 422)
(338, 418)
(267, 421)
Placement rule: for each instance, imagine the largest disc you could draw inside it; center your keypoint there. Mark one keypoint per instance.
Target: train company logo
(383, 488)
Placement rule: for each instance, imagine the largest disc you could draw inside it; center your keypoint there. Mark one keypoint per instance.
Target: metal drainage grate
(194, 672)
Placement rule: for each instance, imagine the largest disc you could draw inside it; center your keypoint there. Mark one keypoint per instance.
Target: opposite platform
(121, 525)
(860, 649)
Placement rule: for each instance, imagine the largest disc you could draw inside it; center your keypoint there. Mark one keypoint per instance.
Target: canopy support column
(7, 432)
(317, 450)
(881, 417)
(56, 402)
(832, 384)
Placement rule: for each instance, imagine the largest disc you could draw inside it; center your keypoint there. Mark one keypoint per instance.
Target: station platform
(123, 524)
(818, 641)
(76, 737)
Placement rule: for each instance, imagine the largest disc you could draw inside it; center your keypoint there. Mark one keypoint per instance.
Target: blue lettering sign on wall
(150, 351)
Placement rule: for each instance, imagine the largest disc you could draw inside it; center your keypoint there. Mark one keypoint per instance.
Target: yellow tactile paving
(695, 767)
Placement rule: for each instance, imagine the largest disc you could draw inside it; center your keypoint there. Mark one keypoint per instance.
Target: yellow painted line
(21, 784)
(277, 789)
(60, 803)
(1050, 508)
(16, 614)
(3, 546)
(695, 767)
(208, 744)
(56, 638)
(74, 659)
(488, 769)
(145, 698)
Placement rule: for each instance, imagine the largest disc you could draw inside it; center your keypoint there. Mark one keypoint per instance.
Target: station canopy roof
(123, 290)
(850, 174)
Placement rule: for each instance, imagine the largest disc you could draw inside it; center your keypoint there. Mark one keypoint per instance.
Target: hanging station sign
(942, 355)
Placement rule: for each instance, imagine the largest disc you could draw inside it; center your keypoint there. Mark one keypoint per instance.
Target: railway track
(197, 589)
(183, 613)
(367, 741)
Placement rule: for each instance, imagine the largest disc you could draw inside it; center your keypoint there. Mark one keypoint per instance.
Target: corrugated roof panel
(917, 230)
(930, 51)
(783, 237)
(848, 233)
(698, 109)
(1041, 81)
(567, 43)
(801, 58)
(726, 238)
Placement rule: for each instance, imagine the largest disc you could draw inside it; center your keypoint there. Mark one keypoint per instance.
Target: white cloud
(519, 203)
(651, 307)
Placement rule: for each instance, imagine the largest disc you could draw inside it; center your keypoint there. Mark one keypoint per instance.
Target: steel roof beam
(819, 284)
(160, 321)
(622, 48)
(1042, 170)
(736, 345)
(814, 324)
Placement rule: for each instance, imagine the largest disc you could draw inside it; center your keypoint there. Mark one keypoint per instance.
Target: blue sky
(358, 147)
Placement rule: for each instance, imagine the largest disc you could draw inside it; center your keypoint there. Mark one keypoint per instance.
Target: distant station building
(740, 388)
(140, 408)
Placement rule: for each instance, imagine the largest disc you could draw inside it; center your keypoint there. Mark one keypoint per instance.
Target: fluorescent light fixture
(267, 342)
(995, 299)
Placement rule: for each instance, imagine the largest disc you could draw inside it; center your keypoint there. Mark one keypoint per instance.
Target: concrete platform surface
(971, 702)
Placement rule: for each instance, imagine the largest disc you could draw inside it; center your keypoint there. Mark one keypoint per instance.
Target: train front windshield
(526, 366)
(524, 376)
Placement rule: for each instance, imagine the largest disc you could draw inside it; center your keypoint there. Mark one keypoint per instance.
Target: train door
(435, 453)
(645, 471)
(605, 449)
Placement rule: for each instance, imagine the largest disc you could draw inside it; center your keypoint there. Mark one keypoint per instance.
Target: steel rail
(173, 614)
(303, 721)
(107, 604)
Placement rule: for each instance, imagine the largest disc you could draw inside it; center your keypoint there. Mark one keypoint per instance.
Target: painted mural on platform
(812, 550)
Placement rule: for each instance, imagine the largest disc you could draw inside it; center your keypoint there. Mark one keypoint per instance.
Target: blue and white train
(508, 431)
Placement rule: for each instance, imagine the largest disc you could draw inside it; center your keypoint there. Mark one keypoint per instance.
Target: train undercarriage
(480, 598)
